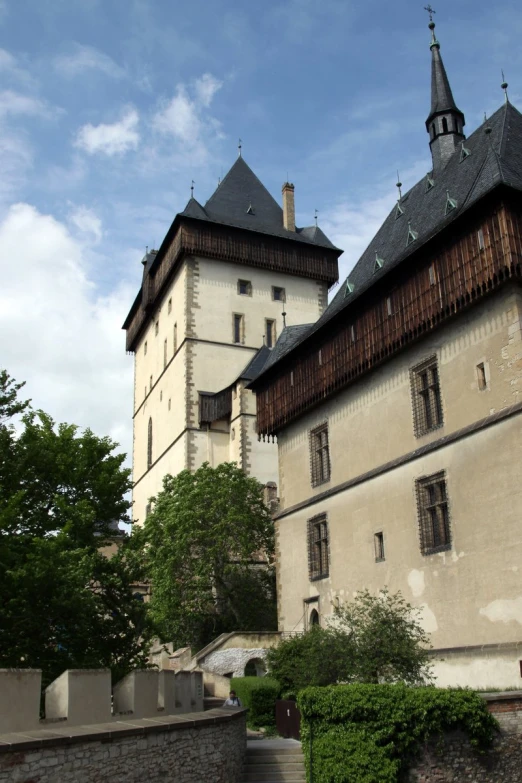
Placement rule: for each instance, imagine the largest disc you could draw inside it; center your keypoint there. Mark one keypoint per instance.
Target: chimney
(288, 206)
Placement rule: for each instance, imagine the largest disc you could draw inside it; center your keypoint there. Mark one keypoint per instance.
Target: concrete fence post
(80, 696)
(20, 699)
(137, 693)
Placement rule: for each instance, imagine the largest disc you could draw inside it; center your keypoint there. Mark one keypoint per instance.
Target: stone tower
(214, 299)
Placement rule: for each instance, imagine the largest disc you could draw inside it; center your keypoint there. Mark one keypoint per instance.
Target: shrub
(259, 695)
(318, 657)
(369, 733)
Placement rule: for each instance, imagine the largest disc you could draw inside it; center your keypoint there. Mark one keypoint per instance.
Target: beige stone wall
(471, 595)
(204, 296)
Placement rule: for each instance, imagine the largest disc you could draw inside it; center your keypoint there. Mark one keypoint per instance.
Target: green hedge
(371, 733)
(259, 695)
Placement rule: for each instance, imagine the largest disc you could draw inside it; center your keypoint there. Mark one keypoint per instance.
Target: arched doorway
(314, 618)
(255, 667)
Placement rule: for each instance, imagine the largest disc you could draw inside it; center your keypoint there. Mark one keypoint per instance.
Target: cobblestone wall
(207, 748)
(452, 760)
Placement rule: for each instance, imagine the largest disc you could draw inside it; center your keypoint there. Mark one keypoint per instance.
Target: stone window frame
(247, 285)
(149, 443)
(433, 513)
(280, 289)
(318, 547)
(320, 463)
(241, 333)
(270, 332)
(428, 413)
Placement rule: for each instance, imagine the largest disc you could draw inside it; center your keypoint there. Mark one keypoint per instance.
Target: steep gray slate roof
(441, 96)
(242, 201)
(255, 365)
(494, 158)
(289, 337)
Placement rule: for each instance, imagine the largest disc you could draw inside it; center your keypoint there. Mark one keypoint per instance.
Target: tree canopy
(207, 547)
(63, 604)
(372, 639)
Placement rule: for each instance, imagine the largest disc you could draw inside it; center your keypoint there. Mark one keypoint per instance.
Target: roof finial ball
(504, 86)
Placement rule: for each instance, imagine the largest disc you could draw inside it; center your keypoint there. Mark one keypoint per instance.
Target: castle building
(212, 304)
(398, 414)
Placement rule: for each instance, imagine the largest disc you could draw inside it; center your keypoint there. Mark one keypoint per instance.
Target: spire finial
(504, 85)
(315, 217)
(239, 147)
(431, 25)
(192, 189)
(399, 186)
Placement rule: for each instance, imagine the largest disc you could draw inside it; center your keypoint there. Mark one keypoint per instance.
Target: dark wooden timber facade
(188, 237)
(436, 283)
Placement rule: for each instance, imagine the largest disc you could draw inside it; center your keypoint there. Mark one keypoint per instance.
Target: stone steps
(273, 764)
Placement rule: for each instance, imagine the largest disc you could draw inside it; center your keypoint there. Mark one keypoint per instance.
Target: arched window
(432, 130)
(149, 445)
(314, 618)
(444, 125)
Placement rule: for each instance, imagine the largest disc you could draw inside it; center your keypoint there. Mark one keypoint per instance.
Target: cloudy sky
(109, 108)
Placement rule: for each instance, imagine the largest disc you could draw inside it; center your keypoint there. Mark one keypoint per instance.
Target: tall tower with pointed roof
(204, 323)
(445, 122)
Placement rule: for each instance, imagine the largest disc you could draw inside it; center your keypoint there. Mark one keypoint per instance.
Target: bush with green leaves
(371, 639)
(258, 695)
(366, 733)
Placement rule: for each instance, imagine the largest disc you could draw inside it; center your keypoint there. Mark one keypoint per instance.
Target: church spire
(445, 121)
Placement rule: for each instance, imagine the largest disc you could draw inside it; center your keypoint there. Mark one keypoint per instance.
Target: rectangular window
(389, 309)
(291, 378)
(378, 541)
(150, 383)
(244, 287)
(318, 556)
(270, 331)
(480, 239)
(156, 328)
(431, 271)
(319, 455)
(434, 523)
(481, 377)
(164, 354)
(320, 357)
(278, 294)
(426, 397)
(169, 307)
(145, 348)
(175, 337)
(352, 333)
(239, 328)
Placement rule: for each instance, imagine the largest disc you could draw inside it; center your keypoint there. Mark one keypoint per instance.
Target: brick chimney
(288, 206)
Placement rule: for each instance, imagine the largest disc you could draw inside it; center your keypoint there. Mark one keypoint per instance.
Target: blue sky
(109, 108)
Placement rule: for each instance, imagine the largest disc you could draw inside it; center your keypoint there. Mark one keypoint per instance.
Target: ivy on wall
(371, 733)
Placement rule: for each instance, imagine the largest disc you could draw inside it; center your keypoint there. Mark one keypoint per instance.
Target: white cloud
(206, 87)
(115, 139)
(57, 331)
(87, 58)
(16, 158)
(185, 117)
(88, 224)
(14, 103)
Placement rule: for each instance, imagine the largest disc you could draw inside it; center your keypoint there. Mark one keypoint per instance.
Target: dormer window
(412, 235)
(349, 288)
(430, 183)
(464, 153)
(451, 204)
(399, 211)
(251, 210)
(444, 125)
(379, 262)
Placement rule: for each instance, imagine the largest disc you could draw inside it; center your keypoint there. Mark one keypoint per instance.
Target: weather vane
(315, 217)
(430, 10)
(504, 84)
(192, 189)
(239, 146)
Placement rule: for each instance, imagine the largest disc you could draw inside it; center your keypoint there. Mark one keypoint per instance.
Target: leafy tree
(386, 640)
(373, 639)
(63, 604)
(207, 547)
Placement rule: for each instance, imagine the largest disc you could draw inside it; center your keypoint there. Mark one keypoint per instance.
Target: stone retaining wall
(453, 760)
(198, 748)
